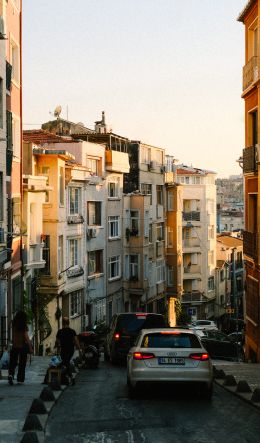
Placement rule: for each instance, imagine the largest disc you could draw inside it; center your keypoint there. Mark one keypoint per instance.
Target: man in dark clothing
(66, 340)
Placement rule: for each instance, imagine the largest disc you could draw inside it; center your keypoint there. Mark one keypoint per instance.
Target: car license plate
(171, 361)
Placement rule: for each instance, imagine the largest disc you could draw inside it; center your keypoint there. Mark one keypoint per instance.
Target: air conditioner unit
(152, 165)
(163, 169)
(92, 233)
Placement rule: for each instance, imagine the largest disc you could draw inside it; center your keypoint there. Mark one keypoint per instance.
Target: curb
(240, 389)
(37, 417)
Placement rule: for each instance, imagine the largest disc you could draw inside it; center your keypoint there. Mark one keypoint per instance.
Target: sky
(166, 72)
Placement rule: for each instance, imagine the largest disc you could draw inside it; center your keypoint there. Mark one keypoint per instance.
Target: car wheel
(207, 391)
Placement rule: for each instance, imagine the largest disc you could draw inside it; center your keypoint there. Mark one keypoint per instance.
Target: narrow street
(97, 409)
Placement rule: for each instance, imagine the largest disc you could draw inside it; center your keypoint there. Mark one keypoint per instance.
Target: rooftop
(245, 10)
(41, 137)
(229, 241)
(189, 170)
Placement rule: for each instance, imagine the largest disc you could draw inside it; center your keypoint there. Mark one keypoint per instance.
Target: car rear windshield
(160, 340)
(134, 323)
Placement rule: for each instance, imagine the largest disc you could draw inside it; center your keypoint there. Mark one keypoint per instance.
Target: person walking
(66, 340)
(21, 346)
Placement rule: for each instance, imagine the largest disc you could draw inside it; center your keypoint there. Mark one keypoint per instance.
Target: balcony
(191, 270)
(249, 159)
(34, 183)
(193, 297)
(34, 257)
(250, 244)
(250, 72)
(76, 271)
(75, 219)
(191, 243)
(191, 216)
(117, 161)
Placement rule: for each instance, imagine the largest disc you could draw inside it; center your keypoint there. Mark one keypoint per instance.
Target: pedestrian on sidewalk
(66, 340)
(21, 346)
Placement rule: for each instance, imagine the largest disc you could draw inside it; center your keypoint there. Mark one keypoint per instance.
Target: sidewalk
(16, 400)
(243, 379)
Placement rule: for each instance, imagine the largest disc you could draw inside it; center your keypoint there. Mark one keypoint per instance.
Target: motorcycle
(89, 344)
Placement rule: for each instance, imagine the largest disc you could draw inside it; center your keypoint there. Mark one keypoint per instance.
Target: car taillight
(142, 355)
(201, 357)
(170, 332)
(117, 336)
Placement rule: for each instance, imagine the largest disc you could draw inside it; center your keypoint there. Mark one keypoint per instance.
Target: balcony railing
(191, 243)
(193, 296)
(75, 219)
(249, 159)
(250, 244)
(250, 72)
(192, 269)
(191, 216)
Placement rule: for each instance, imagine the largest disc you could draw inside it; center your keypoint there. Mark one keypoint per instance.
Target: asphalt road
(97, 410)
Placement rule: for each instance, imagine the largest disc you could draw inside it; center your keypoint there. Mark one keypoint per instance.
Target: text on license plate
(171, 361)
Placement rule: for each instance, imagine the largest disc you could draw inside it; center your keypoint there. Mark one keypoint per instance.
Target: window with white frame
(211, 283)
(170, 201)
(74, 200)
(15, 60)
(73, 246)
(95, 262)
(146, 189)
(113, 226)
(160, 271)
(113, 188)
(114, 267)
(94, 213)
(60, 254)
(160, 231)
(75, 303)
(16, 131)
(92, 165)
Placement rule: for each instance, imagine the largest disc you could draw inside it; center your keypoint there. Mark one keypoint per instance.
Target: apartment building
(11, 287)
(199, 240)
(250, 18)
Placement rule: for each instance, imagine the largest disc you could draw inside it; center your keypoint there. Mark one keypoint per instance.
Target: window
(75, 303)
(170, 276)
(160, 271)
(114, 267)
(170, 238)
(146, 189)
(160, 231)
(1, 104)
(134, 222)
(159, 157)
(170, 201)
(222, 275)
(61, 186)
(16, 137)
(187, 180)
(15, 61)
(73, 252)
(211, 283)
(159, 194)
(1, 197)
(134, 266)
(113, 189)
(46, 255)
(95, 265)
(150, 233)
(113, 226)
(94, 213)
(45, 171)
(60, 254)
(74, 200)
(92, 165)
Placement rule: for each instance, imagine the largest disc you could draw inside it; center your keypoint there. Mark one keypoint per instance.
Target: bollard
(30, 437)
(38, 407)
(243, 386)
(219, 373)
(47, 394)
(32, 423)
(256, 395)
(230, 381)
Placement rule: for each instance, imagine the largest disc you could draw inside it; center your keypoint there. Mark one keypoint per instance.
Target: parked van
(123, 330)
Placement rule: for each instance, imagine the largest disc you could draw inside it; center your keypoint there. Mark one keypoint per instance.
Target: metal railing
(191, 216)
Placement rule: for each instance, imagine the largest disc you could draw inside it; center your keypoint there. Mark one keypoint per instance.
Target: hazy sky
(167, 72)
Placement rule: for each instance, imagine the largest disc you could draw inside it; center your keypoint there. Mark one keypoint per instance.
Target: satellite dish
(57, 111)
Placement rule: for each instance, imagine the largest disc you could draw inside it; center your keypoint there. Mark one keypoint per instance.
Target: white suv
(204, 324)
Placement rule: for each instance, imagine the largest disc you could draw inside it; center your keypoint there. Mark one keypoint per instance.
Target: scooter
(90, 349)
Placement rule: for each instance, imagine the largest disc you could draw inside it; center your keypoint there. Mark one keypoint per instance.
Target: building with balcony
(198, 240)
(11, 287)
(250, 17)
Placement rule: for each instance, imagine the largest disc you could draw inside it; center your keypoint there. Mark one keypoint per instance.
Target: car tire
(207, 391)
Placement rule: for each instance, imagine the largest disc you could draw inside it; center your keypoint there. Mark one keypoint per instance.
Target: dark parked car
(220, 346)
(123, 331)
